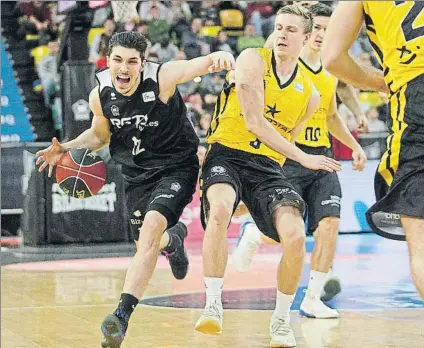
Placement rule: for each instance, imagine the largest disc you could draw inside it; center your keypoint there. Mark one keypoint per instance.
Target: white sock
(213, 289)
(316, 284)
(283, 304)
(253, 232)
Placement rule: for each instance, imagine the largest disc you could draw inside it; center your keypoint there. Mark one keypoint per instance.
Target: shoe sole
(110, 340)
(331, 289)
(209, 327)
(280, 345)
(307, 315)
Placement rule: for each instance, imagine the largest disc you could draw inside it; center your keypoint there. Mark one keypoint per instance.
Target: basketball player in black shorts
(397, 38)
(139, 112)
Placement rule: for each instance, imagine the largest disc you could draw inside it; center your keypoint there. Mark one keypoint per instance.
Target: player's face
(125, 66)
(289, 35)
(318, 32)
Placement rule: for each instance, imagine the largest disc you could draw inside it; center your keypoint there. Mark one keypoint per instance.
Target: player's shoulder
(303, 78)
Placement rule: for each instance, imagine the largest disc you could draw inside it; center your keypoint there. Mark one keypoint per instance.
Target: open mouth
(282, 45)
(123, 79)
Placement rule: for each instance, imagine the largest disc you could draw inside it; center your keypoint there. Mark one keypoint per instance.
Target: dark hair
(129, 39)
(320, 9)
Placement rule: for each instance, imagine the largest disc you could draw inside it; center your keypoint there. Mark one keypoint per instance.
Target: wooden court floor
(62, 303)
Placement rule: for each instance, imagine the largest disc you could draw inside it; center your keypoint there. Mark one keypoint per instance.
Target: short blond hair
(301, 11)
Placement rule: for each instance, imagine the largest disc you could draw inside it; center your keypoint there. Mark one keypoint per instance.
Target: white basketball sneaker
(281, 333)
(313, 307)
(246, 248)
(210, 322)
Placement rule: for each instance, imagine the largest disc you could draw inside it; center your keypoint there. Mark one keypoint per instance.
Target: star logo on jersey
(272, 110)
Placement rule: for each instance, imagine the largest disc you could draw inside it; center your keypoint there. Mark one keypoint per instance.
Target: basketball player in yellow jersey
(249, 138)
(396, 32)
(320, 189)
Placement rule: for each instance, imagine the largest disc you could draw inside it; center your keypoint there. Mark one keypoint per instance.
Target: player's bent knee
(220, 212)
(151, 231)
(293, 240)
(221, 199)
(329, 226)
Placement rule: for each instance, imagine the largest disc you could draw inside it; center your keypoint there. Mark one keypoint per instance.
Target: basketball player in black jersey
(139, 112)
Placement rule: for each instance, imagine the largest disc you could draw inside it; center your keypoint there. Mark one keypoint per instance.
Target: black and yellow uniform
(320, 189)
(396, 32)
(238, 158)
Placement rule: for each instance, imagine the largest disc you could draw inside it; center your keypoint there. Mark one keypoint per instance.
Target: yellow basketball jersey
(315, 131)
(396, 33)
(284, 106)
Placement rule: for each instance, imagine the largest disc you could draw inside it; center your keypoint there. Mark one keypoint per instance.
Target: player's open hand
(359, 159)
(221, 61)
(319, 162)
(50, 156)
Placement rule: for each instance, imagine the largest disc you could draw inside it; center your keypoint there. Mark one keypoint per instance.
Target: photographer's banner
(357, 197)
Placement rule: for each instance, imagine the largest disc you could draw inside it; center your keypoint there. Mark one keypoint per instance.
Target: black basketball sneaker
(178, 259)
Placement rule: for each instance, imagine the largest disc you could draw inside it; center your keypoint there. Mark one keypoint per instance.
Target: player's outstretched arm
(338, 128)
(250, 92)
(348, 97)
(342, 31)
(93, 138)
(180, 71)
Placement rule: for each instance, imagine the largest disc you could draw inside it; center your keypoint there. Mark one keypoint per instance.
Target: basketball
(80, 173)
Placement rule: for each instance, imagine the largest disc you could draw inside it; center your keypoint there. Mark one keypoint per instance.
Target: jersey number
(255, 144)
(312, 134)
(409, 32)
(137, 146)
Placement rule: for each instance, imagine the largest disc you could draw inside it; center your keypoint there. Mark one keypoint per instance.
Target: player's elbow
(253, 125)
(329, 61)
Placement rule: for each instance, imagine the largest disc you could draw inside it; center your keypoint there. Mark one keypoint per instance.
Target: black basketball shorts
(258, 181)
(168, 193)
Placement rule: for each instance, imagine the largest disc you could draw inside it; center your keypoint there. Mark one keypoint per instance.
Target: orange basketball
(80, 173)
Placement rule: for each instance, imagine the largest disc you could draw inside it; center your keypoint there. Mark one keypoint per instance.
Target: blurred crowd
(185, 30)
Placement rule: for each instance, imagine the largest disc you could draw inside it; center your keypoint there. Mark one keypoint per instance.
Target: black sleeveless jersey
(148, 136)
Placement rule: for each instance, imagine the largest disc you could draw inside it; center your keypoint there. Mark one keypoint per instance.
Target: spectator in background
(145, 10)
(158, 29)
(179, 11)
(142, 27)
(250, 39)
(261, 15)
(190, 87)
(37, 19)
(102, 60)
(48, 74)
(208, 12)
(221, 43)
(102, 40)
(374, 124)
(209, 89)
(193, 43)
(165, 50)
(341, 151)
(204, 124)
